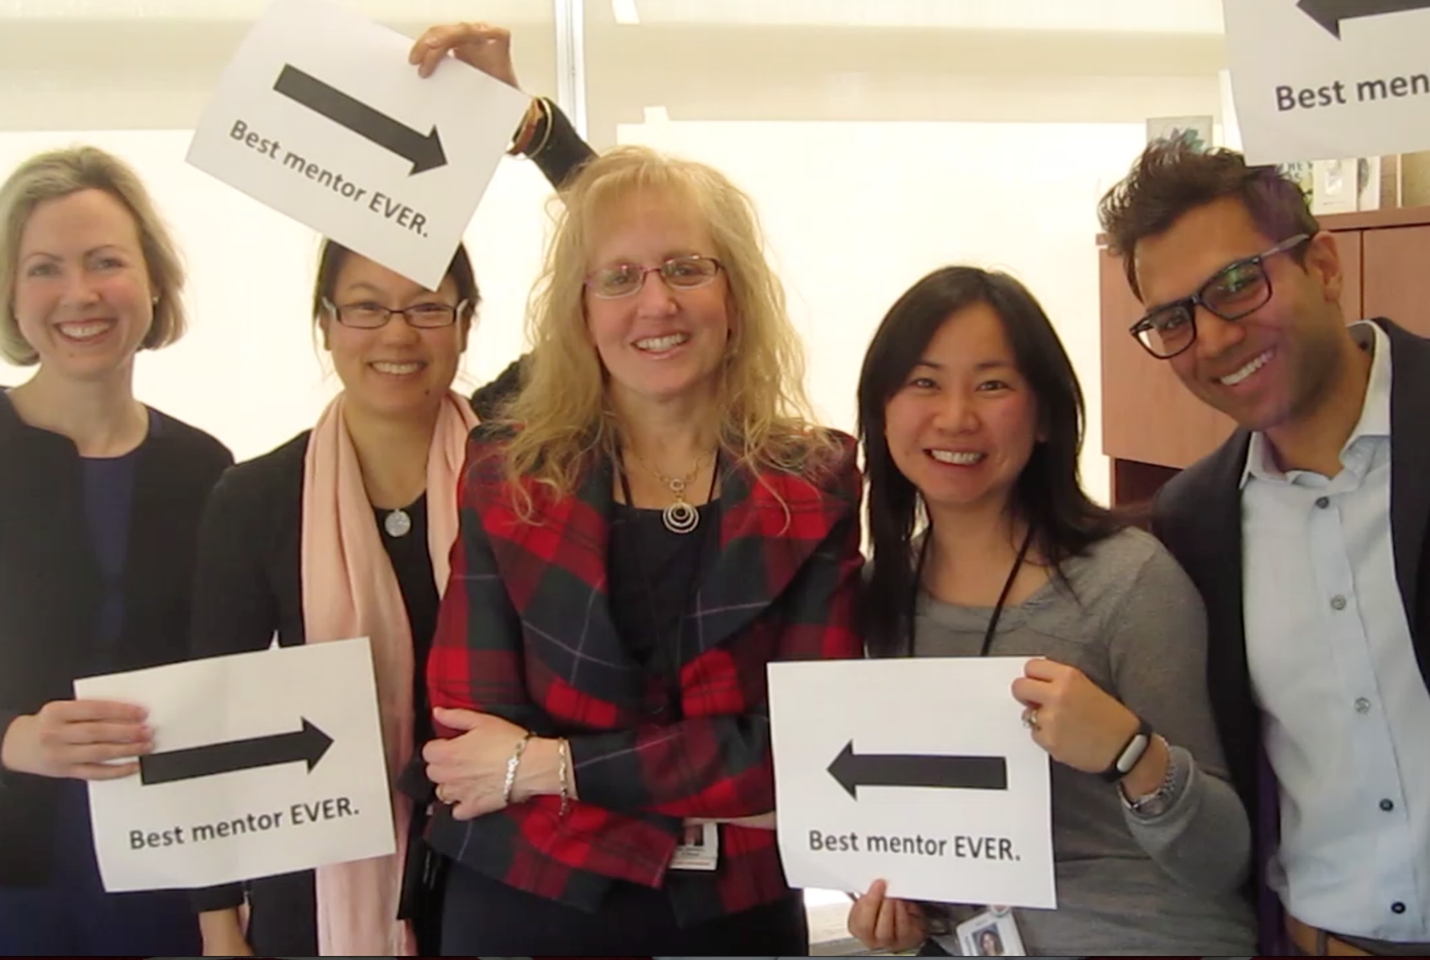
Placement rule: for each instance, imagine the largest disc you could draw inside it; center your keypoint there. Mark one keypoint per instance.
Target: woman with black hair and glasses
(345, 531)
(984, 543)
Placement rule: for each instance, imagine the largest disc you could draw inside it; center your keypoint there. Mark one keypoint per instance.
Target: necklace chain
(680, 516)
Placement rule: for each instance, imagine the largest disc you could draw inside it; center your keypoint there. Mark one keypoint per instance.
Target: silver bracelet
(511, 765)
(1154, 804)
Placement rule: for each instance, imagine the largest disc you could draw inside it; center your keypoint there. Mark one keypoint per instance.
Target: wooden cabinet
(1397, 276)
(1152, 426)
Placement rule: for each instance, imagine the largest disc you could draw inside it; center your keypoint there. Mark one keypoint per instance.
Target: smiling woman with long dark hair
(984, 543)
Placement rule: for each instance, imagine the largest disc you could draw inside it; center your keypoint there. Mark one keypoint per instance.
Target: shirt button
(1397, 907)
(1387, 805)
(1362, 705)
(1338, 603)
(1323, 502)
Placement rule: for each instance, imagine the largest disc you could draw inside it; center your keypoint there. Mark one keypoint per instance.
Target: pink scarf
(350, 590)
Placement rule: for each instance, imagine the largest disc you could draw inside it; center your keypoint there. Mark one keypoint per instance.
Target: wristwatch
(1154, 804)
(1128, 756)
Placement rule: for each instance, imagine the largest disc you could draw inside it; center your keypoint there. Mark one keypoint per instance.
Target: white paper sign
(320, 116)
(916, 771)
(263, 763)
(1329, 79)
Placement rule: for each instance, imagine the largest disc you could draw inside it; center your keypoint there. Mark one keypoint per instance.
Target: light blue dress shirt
(1347, 715)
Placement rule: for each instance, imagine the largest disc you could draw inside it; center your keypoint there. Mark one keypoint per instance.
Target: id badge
(992, 933)
(700, 849)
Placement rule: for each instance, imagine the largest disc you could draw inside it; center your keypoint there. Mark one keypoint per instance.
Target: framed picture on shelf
(1336, 186)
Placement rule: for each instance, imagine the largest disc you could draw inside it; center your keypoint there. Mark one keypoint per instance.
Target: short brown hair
(1170, 179)
(59, 173)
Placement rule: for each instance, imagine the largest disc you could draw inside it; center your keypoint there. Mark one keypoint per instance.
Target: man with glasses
(1305, 537)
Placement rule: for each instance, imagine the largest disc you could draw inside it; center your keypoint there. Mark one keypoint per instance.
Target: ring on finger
(1030, 718)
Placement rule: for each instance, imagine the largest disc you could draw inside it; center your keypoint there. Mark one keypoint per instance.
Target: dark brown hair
(1170, 179)
(334, 255)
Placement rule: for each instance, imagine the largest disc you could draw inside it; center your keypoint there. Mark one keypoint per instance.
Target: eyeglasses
(626, 279)
(370, 316)
(1235, 291)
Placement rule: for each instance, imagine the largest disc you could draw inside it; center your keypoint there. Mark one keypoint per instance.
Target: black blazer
(50, 589)
(1198, 516)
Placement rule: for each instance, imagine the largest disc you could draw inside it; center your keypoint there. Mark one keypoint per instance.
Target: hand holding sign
(916, 772)
(78, 739)
(479, 45)
(346, 137)
(263, 763)
(881, 922)
(1077, 722)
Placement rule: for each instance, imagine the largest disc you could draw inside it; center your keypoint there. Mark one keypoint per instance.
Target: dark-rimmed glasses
(367, 315)
(1235, 291)
(627, 279)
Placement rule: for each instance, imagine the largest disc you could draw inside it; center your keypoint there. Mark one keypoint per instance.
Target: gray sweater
(1126, 884)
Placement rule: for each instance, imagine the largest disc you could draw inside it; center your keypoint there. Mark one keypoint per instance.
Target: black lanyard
(1002, 597)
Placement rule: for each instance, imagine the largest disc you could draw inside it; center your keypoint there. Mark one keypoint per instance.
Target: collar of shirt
(1374, 415)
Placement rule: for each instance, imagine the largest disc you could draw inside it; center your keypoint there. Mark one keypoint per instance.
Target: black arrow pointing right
(308, 745)
(425, 152)
(855, 770)
(1332, 13)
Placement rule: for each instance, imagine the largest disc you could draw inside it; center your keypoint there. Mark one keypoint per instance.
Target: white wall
(856, 212)
(249, 370)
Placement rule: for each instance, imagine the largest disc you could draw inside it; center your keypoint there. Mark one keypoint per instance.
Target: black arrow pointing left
(425, 151)
(307, 745)
(855, 770)
(1332, 13)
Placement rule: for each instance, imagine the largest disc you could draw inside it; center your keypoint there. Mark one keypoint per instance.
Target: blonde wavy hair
(59, 173)
(561, 423)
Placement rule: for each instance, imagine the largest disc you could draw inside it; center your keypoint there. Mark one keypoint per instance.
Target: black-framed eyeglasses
(368, 315)
(678, 273)
(1233, 292)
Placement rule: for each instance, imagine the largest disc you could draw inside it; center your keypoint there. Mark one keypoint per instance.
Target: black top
(108, 499)
(654, 574)
(52, 589)
(412, 563)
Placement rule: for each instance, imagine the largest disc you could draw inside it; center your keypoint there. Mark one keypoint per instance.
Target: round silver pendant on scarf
(397, 523)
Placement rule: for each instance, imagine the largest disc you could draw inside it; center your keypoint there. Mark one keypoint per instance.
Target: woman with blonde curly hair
(653, 521)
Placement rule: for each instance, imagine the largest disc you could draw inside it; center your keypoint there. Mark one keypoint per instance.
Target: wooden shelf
(1152, 426)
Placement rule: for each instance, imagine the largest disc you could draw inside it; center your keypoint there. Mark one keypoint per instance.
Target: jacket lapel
(555, 572)
(557, 576)
(1222, 566)
(1409, 470)
(1410, 460)
(769, 528)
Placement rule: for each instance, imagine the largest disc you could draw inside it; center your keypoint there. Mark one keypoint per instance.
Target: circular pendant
(680, 517)
(397, 523)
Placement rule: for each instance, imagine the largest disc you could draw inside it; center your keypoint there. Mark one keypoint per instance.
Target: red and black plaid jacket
(525, 633)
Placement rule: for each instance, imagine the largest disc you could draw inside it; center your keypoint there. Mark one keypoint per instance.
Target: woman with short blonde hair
(103, 500)
(57, 174)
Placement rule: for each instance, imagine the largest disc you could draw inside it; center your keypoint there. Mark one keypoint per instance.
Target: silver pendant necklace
(680, 516)
(397, 523)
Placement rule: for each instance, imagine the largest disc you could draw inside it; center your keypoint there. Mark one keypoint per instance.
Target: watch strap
(1131, 752)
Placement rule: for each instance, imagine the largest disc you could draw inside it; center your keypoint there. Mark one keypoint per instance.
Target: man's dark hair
(1170, 178)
